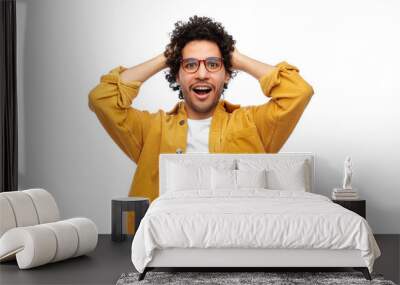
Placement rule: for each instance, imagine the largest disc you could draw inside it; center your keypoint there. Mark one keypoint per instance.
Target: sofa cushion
(45, 243)
(27, 208)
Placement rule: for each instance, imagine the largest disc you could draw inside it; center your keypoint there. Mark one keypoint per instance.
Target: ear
(227, 77)
(177, 79)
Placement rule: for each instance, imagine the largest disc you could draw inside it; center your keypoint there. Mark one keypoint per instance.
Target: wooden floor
(111, 259)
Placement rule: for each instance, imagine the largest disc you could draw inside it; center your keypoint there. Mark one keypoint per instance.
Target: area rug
(269, 278)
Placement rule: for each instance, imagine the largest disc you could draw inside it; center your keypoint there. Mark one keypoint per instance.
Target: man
(201, 58)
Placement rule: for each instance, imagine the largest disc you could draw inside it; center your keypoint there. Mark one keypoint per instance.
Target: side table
(122, 204)
(357, 206)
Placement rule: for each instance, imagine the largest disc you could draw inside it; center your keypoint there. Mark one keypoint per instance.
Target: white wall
(347, 50)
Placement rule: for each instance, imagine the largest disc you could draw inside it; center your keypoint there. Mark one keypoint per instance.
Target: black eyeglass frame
(199, 61)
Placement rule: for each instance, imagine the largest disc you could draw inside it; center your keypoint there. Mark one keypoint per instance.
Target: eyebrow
(210, 57)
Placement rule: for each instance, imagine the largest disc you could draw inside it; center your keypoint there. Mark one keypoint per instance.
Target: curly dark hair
(197, 28)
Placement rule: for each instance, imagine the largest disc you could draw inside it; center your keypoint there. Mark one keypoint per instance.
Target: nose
(202, 72)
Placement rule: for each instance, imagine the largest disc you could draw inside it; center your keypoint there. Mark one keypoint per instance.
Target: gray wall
(346, 50)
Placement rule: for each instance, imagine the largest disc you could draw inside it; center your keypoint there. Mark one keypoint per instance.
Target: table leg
(116, 222)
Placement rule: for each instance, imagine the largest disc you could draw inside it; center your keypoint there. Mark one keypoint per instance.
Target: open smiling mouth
(202, 92)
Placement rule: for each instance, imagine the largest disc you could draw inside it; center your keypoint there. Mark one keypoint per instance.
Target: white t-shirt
(197, 137)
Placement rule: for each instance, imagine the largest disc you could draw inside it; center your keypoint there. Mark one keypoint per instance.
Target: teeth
(202, 88)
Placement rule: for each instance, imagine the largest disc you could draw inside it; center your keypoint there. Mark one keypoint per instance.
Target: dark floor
(102, 266)
(111, 259)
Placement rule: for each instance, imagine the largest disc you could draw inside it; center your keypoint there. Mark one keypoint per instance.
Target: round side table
(122, 204)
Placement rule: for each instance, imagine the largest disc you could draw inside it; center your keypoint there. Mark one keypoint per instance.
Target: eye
(213, 64)
(191, 65)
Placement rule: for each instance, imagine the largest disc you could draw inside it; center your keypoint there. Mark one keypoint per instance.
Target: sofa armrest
(46, 243)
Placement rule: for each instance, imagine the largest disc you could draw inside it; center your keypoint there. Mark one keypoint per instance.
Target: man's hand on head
(235, 59)
(249, 65)
(143, 71)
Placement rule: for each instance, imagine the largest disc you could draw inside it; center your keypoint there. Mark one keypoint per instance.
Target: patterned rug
(270, 278)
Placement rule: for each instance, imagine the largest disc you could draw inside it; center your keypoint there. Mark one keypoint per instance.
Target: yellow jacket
(234, 129)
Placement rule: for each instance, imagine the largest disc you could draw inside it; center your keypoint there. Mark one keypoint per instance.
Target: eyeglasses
(212, 64)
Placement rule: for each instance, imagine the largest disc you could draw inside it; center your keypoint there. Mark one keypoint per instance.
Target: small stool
(119, 205)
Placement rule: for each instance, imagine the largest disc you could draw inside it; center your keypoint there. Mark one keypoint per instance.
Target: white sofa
(32, 232)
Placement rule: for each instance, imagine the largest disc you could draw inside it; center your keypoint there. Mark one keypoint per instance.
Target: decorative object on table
(343, 194)
(32, 233)
(124, 204)
(347, 192)
(348, 173)
(215, 278)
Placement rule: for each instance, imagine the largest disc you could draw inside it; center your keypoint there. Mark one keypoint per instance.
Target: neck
(193, 115)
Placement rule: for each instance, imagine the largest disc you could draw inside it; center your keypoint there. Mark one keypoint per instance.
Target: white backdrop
(347, 50)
